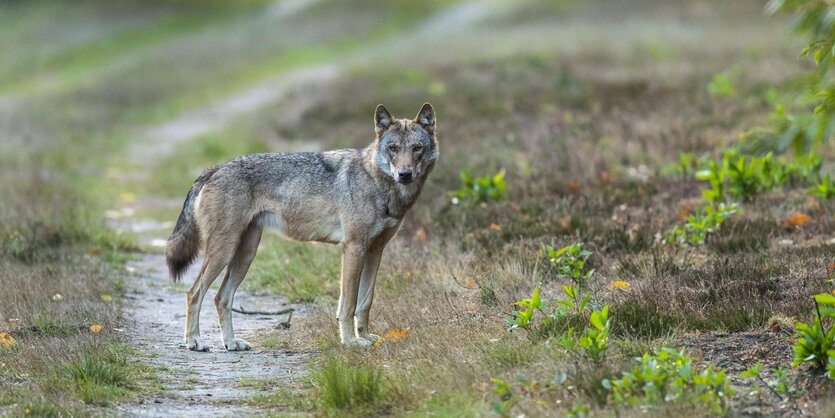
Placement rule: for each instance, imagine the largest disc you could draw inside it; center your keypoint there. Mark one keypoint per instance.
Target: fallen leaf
(378, 343)
(95, 251)
(95, 328)
(469, 283)
(573, 186)
(565, 222)
(798, 219)
(6, 340)
(830, 270)
(619, 284)
(813, 205)
(106, 298)
(127, 197)
(496, 227)
(684, 212)
(396, 334)
(420, 235)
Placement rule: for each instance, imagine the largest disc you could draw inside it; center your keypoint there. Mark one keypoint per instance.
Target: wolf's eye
(393, 148)
(417, 148)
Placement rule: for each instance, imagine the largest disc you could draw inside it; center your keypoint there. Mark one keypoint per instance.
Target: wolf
(353, 197)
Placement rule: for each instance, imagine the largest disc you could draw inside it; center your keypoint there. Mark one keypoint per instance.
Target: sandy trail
(203, 384)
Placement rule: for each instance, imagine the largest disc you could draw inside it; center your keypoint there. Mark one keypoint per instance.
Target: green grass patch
(353, 389)
(304, 272)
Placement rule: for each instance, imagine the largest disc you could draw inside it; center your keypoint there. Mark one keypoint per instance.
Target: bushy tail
(184, 242)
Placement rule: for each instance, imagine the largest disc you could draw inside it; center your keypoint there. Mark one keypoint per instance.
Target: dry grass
(573, 143)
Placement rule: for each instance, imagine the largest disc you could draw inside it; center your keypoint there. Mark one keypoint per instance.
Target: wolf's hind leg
(366, 293)
(235, 274)
(216, 260)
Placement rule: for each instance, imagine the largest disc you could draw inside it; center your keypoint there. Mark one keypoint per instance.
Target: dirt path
(217, 383)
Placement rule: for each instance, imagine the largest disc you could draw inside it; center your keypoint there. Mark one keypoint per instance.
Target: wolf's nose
(405, 174)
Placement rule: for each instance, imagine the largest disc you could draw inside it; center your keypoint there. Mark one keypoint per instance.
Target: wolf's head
(405, 149)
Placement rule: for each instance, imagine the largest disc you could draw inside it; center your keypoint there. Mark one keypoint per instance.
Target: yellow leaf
(127, 197)
(6, 340)
(619, 284)
(396, 334)
(95, 328)
(496, 227)
(378, 343)
(106, 298)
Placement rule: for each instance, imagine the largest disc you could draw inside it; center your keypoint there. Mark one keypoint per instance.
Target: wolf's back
(184, 242)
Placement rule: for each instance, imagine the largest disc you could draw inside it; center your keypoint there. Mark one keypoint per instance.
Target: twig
(241, 310)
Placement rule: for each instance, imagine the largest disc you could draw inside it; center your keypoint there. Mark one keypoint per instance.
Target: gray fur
(350, 196)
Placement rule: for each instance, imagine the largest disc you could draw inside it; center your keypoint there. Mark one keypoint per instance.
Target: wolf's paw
(356, 342)
(372, 338)
(238, 345)
(196, 344)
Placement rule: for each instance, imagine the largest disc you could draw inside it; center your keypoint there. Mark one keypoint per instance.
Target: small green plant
(505, 401)
(596, 338)
(481, 189)
(825, 189)
(721, 85)
(779, 385)
(670, 377)
(570, 262)
(525, 317)
(715, 175)
(576, 301)
(701, 224)
(814, 343)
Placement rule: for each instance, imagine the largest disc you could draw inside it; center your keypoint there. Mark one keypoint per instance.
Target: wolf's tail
(184, 242)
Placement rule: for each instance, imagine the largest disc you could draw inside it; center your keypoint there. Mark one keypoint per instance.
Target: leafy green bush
(480, 189)
(816, 343)
(701, 224)
(813, 19)
(669, 377)
(825, 189)
(743, 177)
(721, 85)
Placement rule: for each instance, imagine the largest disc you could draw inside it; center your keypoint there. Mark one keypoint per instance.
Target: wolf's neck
(402, 196)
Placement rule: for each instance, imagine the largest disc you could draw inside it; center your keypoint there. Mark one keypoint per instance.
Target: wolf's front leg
(366, 293)
(353, 256)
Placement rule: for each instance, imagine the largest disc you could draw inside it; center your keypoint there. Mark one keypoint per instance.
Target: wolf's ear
(382, 119)
(426, 118)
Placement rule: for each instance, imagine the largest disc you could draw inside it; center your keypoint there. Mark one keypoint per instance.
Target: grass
(585, 129)
(573, 152)
(352, 389)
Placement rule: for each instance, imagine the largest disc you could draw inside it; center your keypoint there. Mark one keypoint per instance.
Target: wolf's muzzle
(405, 175)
